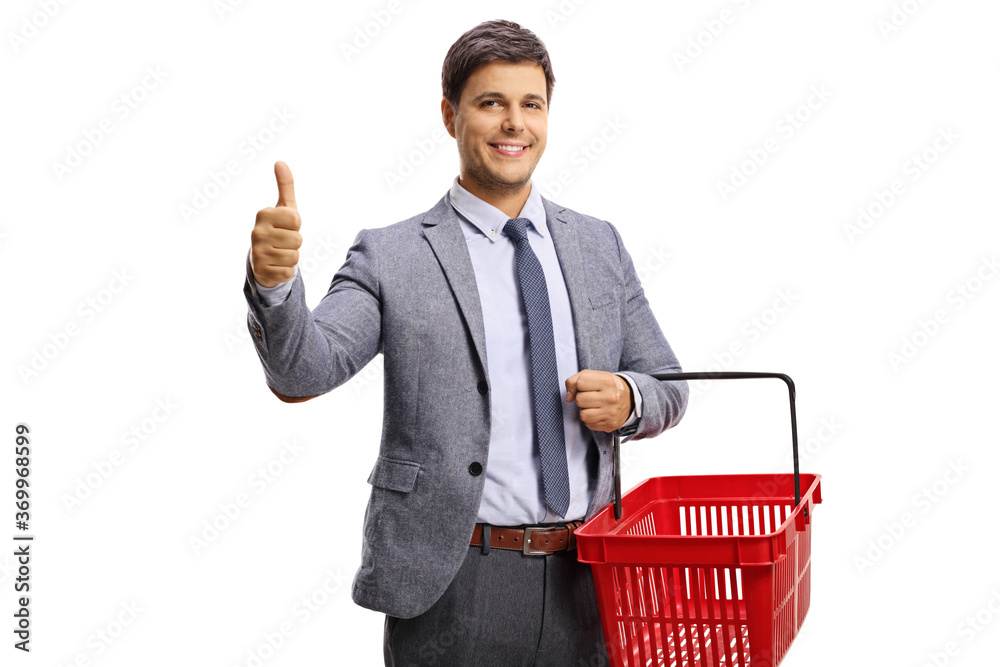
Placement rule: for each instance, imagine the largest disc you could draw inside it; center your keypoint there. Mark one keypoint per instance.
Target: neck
(509, 201)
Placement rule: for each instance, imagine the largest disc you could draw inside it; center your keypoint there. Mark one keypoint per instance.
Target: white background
(118, 302)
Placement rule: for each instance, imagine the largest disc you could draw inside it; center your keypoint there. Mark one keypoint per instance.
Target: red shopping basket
(704, 571)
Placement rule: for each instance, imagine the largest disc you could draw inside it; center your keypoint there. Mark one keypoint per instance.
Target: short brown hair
(487, 42)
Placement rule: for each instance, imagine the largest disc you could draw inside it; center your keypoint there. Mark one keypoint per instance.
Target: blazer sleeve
(645, 351)
(307, 353)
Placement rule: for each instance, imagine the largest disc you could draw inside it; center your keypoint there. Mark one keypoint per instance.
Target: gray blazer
(408, 291)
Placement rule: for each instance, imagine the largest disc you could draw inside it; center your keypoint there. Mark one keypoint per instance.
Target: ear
(448, 116)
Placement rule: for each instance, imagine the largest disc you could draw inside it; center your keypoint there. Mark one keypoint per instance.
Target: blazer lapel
(567, 245)
(443, 231)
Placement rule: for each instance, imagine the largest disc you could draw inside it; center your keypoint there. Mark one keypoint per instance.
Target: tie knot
(516, 228)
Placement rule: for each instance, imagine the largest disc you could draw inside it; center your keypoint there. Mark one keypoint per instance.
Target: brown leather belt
(531, 540)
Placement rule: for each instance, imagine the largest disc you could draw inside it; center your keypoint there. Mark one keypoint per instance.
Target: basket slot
(634, 626)
(618, 575)
(652, 628)
(709, 518)
(657, 644)
(681, 616)
(732, 613)
(644, 526)
(731, 520)
(724, 630)
(676, 581)
(673, 583)
(803, 592)
(741, 655)
(696, 599)
(785, 617)
(640, 629)
(803, 556)
(713, 641)
(671, 632)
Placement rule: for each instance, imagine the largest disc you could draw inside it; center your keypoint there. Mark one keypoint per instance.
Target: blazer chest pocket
(604, 298)
(394, 474)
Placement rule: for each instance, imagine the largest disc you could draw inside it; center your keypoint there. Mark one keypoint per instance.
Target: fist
(604, 399)
(275, 239)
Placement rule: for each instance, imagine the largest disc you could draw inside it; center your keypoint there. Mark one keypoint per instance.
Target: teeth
(505, 147)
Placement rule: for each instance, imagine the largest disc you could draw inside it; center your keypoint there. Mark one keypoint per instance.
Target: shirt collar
(489, 219)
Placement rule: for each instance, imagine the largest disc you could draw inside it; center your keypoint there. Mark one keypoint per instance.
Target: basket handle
(718, 375)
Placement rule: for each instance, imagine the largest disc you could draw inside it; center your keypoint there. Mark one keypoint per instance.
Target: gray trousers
(505, 609)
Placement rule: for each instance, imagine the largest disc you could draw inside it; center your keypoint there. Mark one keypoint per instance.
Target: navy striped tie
(544, 375)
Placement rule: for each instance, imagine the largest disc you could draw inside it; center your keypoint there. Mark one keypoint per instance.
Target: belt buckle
(526, 547)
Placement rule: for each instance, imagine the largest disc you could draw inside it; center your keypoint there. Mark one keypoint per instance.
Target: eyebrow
(493, 93)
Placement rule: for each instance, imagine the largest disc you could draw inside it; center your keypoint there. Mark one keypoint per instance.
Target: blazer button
(483, 387)
(475, 468)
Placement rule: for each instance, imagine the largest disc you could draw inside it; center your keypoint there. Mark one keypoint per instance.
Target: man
(516, 340)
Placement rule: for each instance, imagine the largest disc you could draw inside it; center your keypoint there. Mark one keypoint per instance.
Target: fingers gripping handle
(718, 376)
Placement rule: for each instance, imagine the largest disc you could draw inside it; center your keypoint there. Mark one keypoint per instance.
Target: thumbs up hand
(275, 239)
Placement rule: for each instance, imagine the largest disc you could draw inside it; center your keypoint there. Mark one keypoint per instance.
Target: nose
(514, 120)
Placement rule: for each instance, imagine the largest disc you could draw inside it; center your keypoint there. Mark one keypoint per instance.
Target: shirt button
(475, 468)
(483, 387)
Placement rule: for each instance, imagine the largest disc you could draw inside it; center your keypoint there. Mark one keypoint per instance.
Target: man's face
(500, 126)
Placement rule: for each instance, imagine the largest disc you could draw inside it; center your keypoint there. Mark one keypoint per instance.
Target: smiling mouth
(512, 150)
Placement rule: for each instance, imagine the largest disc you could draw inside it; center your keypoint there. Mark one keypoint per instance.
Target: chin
(510, 185)
(512, 179)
